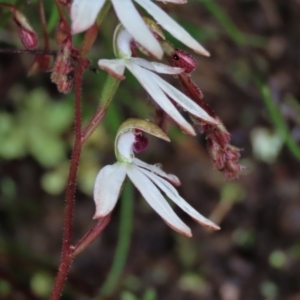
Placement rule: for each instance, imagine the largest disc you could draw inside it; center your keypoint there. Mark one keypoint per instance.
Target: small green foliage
(192, 282)
(36, 128)
(5, 288)
(269, 290)
(244, 237)
(277, 259)
(8, 187)
(41, 284)
(232, 192)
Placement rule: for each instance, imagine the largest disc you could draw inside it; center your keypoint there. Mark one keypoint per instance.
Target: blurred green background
(251, 81)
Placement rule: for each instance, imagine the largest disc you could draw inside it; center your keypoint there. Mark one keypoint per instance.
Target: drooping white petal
(156, 67)
(171, 26)
(155, 199)
(107, 188)
(156, 170)
(145, 79)
(84, 14)
(133, 22)
(172, 193)
(184, 101)
(114, 67)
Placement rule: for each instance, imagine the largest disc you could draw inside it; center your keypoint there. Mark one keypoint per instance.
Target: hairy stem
(66, 259)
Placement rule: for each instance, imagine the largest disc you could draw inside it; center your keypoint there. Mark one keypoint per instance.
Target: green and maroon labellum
(141, 142)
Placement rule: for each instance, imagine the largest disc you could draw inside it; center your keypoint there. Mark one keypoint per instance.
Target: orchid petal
(84, 14)
(152, 168)
(145, 79)
(184, 101)
(114, 67)
(155, 199)
(172, 193)
(156, 67)
(133, 22)
(107, 188)
(174, 1)
(171, 26)
(124, 146)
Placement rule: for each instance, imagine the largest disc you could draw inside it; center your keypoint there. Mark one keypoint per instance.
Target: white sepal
(171, 26)
(133, 22)
(84, 14)
(172, 193)
(154, 169)
(156, 67)
(114, 67)
(155, 199)
(145, 78)
(107, 188)
(185, 102)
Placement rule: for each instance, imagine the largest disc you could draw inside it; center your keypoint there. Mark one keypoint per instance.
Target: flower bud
(27, 35)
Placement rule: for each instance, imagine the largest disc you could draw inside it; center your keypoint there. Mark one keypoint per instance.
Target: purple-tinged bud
(28, 38)
(27, 35)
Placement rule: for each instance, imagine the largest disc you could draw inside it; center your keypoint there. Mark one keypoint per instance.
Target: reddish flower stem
(67, 249)
(90, 236)
(66, 259)
(44, 24)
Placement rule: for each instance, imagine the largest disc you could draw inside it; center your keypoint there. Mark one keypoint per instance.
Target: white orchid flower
(84, 14)
(159, 89)
(148, 179)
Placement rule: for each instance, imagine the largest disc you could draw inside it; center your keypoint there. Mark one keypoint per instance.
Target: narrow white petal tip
(182, 229)
(188, 130)
(210, 225)
(187, 232)
(174, 180)
(202, 51)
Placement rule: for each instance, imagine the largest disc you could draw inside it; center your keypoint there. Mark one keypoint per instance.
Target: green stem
(238, 36)
(278, 120)
(123, 241)
(103, 12)
(110, 88)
